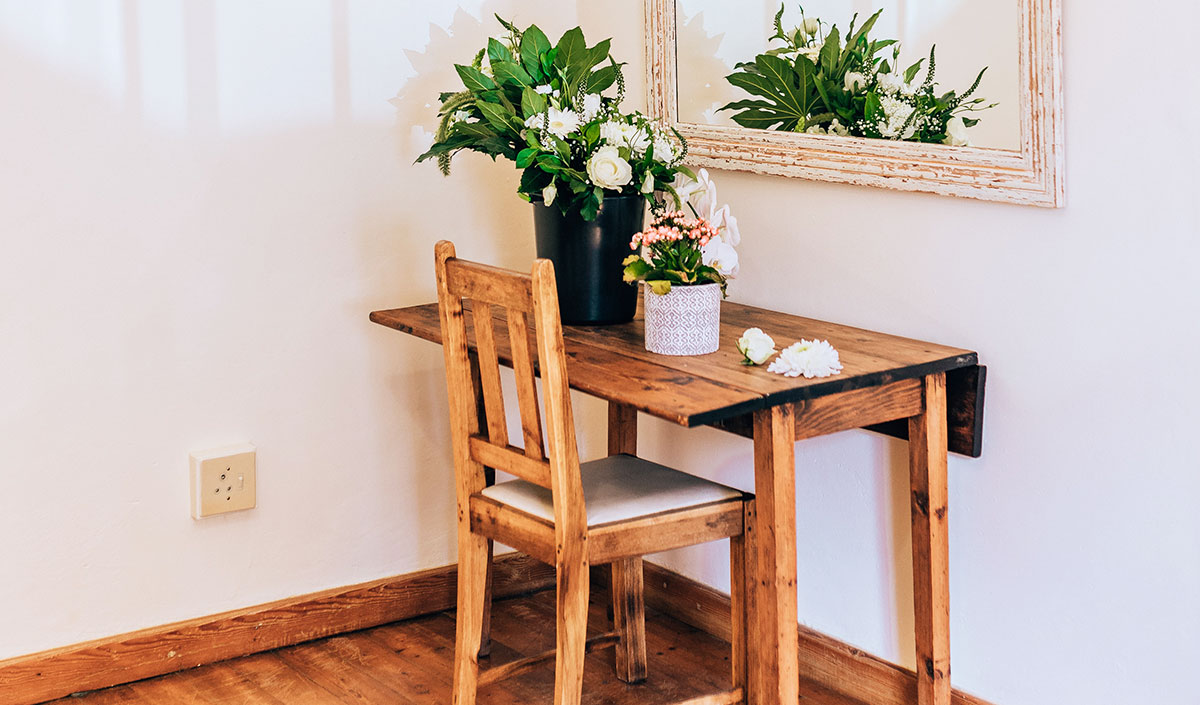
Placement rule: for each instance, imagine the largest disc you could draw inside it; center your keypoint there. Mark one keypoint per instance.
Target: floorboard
(410, 663)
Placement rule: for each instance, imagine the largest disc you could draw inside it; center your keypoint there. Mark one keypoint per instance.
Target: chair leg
(741, 593)
(472, 587)
(485, 636)
(629, 619)
(573, 582)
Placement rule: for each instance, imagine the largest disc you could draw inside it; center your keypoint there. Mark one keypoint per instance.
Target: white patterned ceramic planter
(684, 321)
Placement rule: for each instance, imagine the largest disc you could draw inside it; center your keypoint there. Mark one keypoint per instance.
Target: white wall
(202, 200)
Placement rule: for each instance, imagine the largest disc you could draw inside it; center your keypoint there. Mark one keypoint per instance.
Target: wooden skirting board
(39, 677)
(36, 678)
(834, 664)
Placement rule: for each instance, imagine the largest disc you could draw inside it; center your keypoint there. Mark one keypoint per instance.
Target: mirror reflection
(744, 64)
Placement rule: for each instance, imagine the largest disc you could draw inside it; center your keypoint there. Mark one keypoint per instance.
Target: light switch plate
(223, 480)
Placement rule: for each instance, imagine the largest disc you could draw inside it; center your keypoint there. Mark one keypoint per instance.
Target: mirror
(1013, 153)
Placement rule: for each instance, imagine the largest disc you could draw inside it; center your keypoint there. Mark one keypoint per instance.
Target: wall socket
(223, 480)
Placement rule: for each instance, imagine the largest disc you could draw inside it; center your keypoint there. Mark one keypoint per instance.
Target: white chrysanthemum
(561, 122)
(755, 346)
(895, 114)
(810, 358)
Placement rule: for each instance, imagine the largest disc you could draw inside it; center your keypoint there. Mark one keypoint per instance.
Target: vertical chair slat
(489, 369)
(531, 418)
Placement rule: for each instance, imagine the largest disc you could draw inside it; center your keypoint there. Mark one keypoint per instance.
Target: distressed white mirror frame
(1031, 176)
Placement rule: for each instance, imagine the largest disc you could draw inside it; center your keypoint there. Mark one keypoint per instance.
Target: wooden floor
(409, 663)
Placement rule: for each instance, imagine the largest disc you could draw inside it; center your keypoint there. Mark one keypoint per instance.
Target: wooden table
(930, 394)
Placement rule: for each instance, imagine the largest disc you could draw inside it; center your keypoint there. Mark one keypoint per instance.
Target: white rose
(811, 358)
(855, 81)
(812, 25)
(721, 256)
(608, 170)
(756, 346)
(648, 183)
(549, 193)
(956, 133)
(591, 106)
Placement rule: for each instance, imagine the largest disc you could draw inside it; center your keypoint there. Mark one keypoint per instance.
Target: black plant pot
(587, 258)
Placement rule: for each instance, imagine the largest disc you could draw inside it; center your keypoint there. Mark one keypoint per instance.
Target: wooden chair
(569, 515)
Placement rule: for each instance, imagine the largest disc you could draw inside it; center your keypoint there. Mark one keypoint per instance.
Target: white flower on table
(608, 170)
(559, 123)
(956, 133)
(810, 358)
(755, 346)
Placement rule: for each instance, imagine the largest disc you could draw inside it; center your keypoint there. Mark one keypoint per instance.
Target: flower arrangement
(544, 107)
(686, 250)
(817, 84)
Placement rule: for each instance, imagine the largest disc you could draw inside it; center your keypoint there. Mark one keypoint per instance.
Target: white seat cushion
(618, 488)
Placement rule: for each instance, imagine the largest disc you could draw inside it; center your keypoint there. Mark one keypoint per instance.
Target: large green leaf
(571, 54)
(532, 103)
(831, 52)
(511, 72)
(602, 78)
(788, 90)
(498, 117)
(474, 79)
(534, 46)
(497, 52)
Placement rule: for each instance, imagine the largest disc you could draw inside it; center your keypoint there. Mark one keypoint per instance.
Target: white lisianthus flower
(648, 183)
(664, 151)
(810, 358)
(855, 81)
(608, 170)
(812, 25)
(591, 107)
(549, 193)
(956, 133)
(721, 256)
(755, 346)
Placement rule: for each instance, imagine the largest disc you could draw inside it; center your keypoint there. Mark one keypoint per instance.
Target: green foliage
(512, 89)
(815, 82)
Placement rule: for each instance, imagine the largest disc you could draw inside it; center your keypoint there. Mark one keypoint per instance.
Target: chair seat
(618, 488)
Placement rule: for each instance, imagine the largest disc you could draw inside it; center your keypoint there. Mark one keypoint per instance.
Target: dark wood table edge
(965, 380)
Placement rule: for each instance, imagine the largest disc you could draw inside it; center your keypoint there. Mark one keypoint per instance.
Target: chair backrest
(496, 296)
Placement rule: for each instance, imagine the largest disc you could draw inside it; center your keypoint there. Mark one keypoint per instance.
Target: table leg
(930, 545)
(774, 662)
(628, 592)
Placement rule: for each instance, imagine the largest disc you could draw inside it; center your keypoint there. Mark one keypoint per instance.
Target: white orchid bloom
(721, 256)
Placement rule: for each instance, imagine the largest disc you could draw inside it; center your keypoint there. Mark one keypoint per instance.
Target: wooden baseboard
(833, 664)
(39, 677)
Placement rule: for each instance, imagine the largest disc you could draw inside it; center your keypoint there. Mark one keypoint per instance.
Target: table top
(611, 362)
